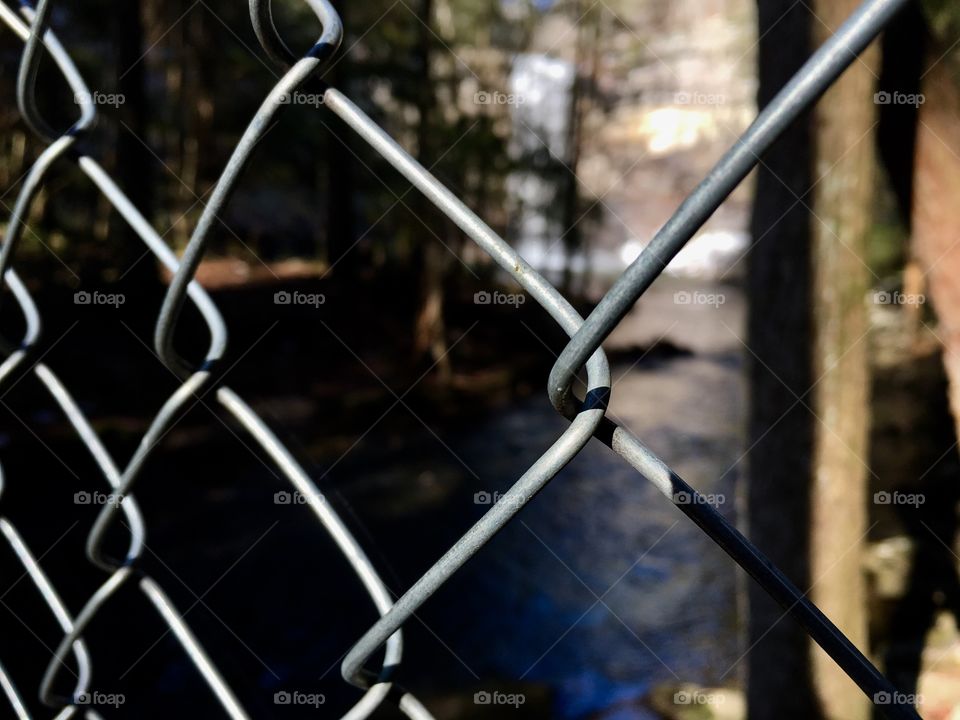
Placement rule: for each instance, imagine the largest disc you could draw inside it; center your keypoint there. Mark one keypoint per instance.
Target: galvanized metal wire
(120, 571)
(587, 416)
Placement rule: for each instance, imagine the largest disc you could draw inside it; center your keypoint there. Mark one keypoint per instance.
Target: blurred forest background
(778, 365)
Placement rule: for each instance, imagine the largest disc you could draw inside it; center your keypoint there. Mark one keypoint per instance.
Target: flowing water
(600, 589)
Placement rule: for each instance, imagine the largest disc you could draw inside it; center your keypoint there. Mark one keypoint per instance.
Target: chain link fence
(587, 415)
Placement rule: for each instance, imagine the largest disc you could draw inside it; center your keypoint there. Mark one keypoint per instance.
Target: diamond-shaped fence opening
(587, 415)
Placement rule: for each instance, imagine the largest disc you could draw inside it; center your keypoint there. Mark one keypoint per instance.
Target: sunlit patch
(670, 129)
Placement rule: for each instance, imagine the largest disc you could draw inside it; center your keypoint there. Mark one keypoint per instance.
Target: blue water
(599, 531)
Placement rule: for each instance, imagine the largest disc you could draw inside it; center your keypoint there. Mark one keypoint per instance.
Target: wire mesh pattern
(587, 416)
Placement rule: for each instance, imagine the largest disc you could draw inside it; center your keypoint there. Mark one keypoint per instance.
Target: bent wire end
(261, 17)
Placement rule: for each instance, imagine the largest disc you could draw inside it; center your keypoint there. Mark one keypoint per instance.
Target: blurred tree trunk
(572, 236)
(844, 173)
(133, 161)
(936, 217)
(587, 50)
(429, 330)
(808, 283)
(196, 112)
(172, 58)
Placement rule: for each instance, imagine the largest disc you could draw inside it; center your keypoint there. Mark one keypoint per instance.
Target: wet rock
(887, 564)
